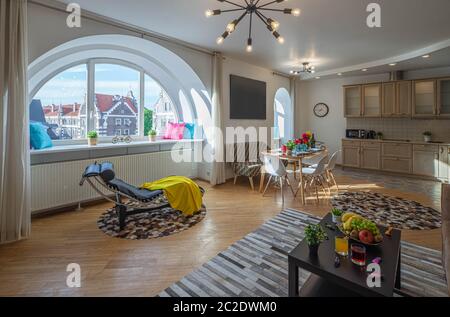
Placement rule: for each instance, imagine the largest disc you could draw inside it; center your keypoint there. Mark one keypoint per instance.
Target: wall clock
(321, 110)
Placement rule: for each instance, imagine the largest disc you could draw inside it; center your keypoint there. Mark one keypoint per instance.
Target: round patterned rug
(389, 211)
(156, 224)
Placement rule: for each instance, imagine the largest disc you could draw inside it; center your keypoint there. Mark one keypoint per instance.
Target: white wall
(331, 129)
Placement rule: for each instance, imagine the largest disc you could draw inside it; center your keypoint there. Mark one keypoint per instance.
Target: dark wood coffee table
(348, 279)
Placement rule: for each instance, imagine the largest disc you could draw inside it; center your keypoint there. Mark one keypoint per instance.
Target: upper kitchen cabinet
(403, 98)
(443, 86)
(371, 101)
(424, 98)
(396, 99)
(352, 101)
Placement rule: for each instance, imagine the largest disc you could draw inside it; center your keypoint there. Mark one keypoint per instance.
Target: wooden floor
(115, 267)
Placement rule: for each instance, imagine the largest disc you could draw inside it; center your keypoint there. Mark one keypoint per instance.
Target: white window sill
(107, 145)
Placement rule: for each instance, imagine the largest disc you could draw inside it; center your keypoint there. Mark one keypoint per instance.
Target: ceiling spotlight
(317, 77)
(249, 48)
(392, 64)
(339, 74)
(364, 70)
(253, 8)
(210, 13)
(426, 56)
(222, 37)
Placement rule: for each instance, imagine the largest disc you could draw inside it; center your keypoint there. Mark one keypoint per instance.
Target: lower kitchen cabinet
(371, 155)
(426, 160)
(398, 165)
(351, 156)
(444, 163)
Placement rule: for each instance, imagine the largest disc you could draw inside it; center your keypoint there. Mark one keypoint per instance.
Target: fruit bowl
(360, 229)
(358, 240)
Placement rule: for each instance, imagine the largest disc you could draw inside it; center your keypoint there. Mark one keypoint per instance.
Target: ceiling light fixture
(426, 56)
(252, 8)
(392, 64)
(339, 74)
(307, 68)
(364, 70)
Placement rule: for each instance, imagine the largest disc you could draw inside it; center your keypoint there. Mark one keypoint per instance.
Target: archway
(283, 116)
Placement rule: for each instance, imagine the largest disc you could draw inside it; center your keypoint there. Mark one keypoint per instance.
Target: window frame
(90, 102)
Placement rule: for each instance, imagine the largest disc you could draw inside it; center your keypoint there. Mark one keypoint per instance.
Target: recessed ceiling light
(364, 70)
(317, 77)
(426, 56)
(392, 64)
(339, 74)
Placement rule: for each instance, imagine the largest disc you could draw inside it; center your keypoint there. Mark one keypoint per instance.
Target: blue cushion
(189, 131)
(39, 137)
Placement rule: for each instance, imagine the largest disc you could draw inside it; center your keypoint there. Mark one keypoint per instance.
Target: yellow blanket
(182, 193)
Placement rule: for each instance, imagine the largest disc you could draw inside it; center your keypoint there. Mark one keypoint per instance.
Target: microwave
(354, 134)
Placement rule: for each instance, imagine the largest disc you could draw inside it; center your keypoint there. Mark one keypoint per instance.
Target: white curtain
(218, 166)
(15, 219)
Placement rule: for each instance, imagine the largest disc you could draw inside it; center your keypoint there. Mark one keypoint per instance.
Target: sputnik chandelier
(307, 68)
(252, 8)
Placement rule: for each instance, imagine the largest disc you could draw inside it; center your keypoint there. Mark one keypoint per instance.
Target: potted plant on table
(152, 135)
(427, 136)
(92, 138)
(337, 215)
(314, 235)
(290, 146)
(380, 136)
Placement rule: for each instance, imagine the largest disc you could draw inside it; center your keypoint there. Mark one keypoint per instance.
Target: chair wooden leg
(251, 183)
(282, 190)
(268, 184)
(235, 179)
(317, 190)
(334, 181)
(290, 186)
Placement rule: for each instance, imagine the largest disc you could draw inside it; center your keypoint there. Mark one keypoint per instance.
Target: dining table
(298, 161)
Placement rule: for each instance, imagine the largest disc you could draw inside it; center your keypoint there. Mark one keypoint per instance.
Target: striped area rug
(257, 265)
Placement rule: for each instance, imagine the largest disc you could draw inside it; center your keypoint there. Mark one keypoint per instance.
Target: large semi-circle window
(112, 97)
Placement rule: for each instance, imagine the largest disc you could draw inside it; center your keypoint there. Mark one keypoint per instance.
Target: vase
(337, 219)
(152, 138)
(92, 142)
(314, 249)
(289, 152)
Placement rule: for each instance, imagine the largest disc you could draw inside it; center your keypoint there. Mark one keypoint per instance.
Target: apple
(366, 236)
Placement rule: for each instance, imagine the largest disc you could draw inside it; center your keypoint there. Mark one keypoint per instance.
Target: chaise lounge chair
(102, 176)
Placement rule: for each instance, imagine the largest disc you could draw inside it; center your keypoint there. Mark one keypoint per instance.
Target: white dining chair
(314, 160)
(329, 168)
(315, 176)
(276, 169)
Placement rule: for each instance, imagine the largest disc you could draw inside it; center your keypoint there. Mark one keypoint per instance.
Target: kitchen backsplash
(404, 129)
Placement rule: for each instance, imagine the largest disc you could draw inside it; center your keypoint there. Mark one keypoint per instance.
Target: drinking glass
(358, 254)
(341, 246)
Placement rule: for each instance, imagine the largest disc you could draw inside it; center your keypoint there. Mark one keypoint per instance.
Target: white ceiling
(332, 34)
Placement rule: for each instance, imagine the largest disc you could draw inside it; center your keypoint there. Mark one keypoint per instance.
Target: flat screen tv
(247, 99)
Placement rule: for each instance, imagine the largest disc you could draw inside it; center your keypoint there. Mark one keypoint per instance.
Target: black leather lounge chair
(102, 176)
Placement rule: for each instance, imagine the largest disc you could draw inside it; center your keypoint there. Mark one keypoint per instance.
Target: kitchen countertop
(417, 142)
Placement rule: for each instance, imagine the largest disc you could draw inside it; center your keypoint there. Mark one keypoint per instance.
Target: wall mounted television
(247, 99)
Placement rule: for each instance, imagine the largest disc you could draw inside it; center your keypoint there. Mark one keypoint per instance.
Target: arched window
(283, 121)
(112, 97)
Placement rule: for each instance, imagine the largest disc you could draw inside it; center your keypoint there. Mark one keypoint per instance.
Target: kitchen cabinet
(397, 165)
(424, 98)
(351, 151)
(352, 101)
(371, 155)
(371, 101)
(389, 99)
(400, 150)
(403, 98)
(443, 92)
(444, 163)
(396, 99)
(426, 160)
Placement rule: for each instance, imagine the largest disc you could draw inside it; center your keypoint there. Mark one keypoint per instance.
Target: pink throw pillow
(175, 131)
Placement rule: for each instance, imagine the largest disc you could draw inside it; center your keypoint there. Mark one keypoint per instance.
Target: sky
(70, 86)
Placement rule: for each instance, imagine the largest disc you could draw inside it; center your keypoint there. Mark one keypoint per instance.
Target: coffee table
(348, 279)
